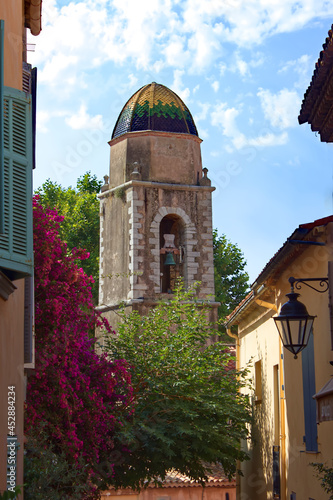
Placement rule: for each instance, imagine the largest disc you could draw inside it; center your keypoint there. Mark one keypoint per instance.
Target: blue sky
(241, 66)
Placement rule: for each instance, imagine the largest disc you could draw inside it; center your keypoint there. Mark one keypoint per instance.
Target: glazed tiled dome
(155, 107)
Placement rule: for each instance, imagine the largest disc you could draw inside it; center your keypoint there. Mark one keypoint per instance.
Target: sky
(241, 67)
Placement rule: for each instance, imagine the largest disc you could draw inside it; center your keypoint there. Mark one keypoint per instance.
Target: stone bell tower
(155, 206)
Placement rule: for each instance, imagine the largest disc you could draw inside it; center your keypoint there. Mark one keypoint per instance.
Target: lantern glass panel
(294, 332)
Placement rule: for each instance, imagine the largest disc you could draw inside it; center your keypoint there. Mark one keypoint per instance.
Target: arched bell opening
(172, 251)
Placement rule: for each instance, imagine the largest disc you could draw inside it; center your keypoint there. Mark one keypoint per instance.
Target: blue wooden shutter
(16, 244)
(309, 389)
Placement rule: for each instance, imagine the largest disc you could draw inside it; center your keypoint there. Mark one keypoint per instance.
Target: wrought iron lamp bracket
(322, 283)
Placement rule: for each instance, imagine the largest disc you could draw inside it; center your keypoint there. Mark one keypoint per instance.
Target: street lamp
(294, 322)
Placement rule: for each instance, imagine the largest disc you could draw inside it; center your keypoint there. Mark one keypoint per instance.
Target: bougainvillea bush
(76, 399)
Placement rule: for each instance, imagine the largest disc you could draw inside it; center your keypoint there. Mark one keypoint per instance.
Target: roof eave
(277, 265)
(33, 16)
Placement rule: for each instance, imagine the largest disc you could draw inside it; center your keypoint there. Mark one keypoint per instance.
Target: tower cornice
(154, 133)
(160, 185)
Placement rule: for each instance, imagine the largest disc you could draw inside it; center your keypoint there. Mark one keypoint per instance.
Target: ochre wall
(175, 493)
(12, 310)
(12, 374)
(11, 12)
(160, 157)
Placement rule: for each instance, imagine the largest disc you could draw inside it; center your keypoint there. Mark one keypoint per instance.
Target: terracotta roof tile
(273, 263)
(316, 105)
(216, 477)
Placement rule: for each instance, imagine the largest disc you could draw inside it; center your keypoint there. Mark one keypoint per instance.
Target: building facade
(177, 486)
(17, 97)
(155, 206)
(290, 429)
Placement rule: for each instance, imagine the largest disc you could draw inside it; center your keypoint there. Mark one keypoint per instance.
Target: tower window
(172, 251)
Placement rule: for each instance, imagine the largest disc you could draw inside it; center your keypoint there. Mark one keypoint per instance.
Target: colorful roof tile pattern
(155, 107)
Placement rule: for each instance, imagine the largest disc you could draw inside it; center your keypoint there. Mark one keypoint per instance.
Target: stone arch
(190, 266)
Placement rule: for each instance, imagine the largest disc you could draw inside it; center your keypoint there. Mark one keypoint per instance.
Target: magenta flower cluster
(75, 397)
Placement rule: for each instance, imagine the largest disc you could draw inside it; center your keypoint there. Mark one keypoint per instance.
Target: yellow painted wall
(300, 478)
(260, 342)
(259, 339)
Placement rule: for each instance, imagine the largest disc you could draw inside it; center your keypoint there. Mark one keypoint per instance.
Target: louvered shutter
(16, 244)
(309, 390)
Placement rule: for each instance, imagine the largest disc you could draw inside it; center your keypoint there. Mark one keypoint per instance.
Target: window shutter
(309, 389)
(26, 78)
(16, 244)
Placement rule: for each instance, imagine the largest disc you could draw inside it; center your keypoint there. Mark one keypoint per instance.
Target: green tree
(231, 279)
(80, 228)
(188, 410)
(325, 474)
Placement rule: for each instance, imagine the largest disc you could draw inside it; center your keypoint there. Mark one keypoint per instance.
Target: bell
(169, 261)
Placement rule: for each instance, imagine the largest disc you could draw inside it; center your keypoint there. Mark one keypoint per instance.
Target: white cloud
(203, 133)
(242, 66)
(175, 52)
(222, 68)
(161, 33)
(42, 119)
(225, 118)
(216, 85)
(303, 67)
(268, 139)
(204, 46)
(82, 120)
(250, 22)
(280, 109)
(177, 85)
(54, 67)
(202, 115)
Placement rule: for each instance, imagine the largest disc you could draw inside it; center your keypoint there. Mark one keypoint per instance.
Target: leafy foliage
(325, 474)
(231, 279)
(188, 408)
(76, 399)
(80, 226)
(50, 475)
(10, 495)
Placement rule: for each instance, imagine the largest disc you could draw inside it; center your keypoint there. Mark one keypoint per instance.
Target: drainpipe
(329, 239)
(283, 425)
